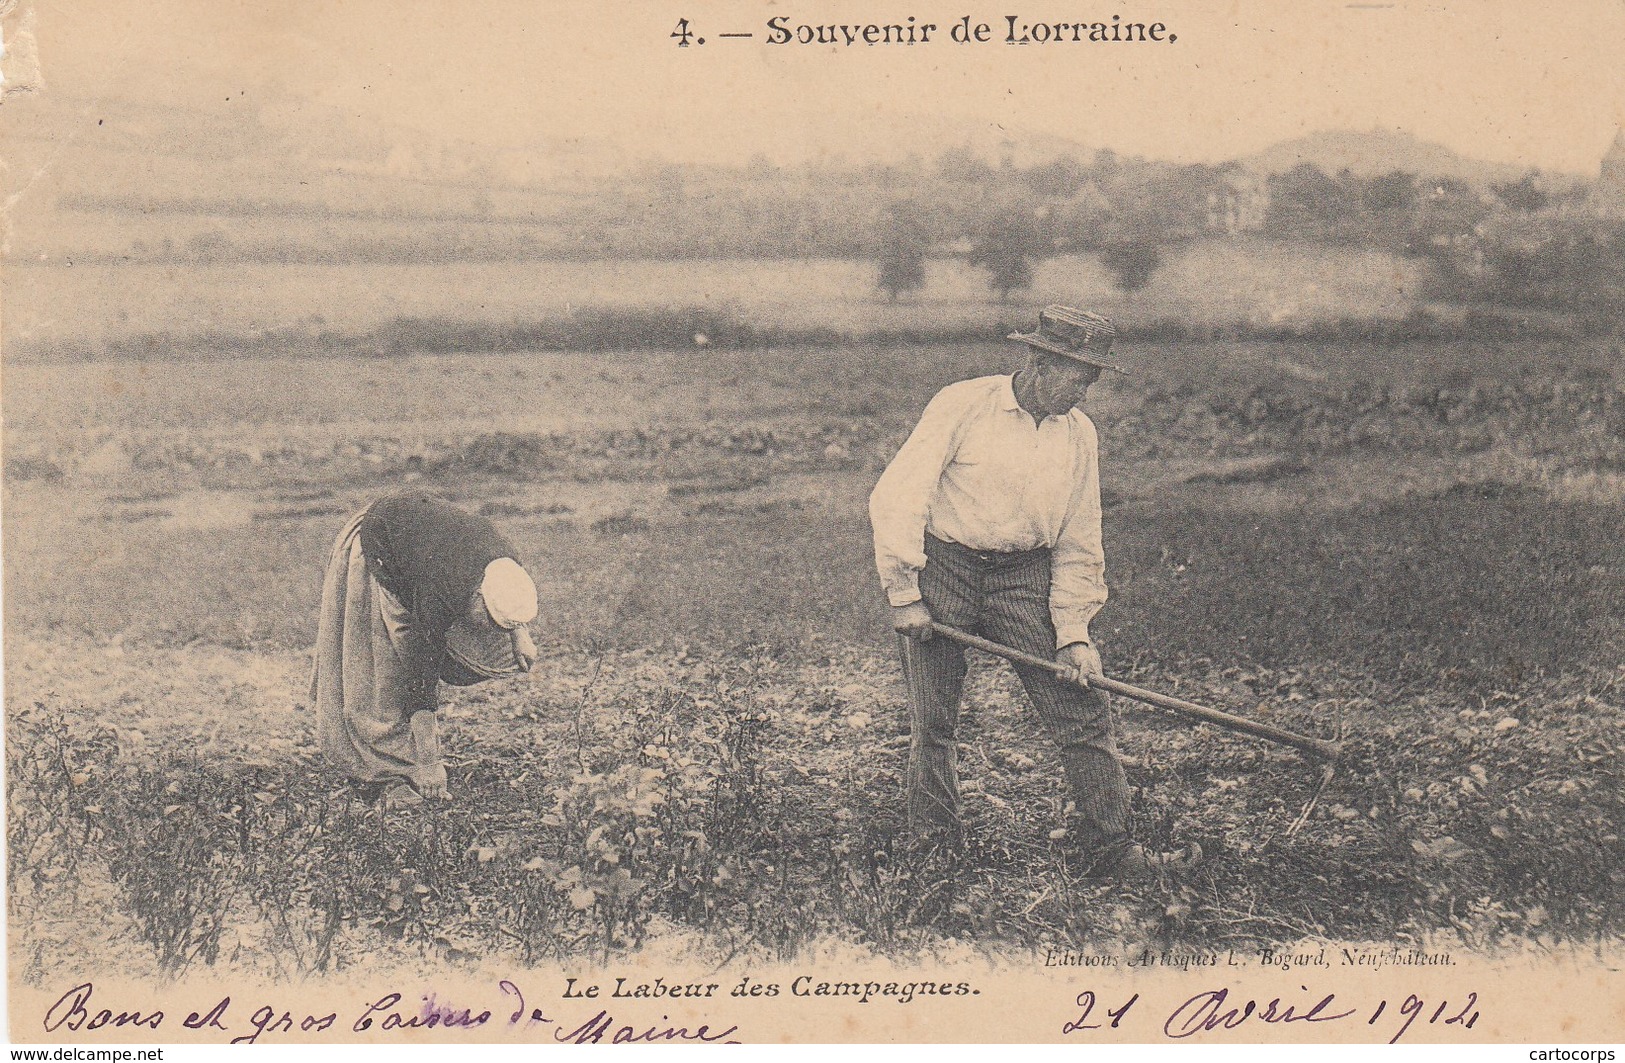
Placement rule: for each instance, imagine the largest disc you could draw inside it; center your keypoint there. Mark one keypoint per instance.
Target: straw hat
(1077, 334)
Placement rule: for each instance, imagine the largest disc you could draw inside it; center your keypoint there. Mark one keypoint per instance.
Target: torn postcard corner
(19, 51)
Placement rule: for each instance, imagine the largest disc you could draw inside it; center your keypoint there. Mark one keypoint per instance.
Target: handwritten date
(1218, 1009)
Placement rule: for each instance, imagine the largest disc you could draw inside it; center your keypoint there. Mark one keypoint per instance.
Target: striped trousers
(1003, 597)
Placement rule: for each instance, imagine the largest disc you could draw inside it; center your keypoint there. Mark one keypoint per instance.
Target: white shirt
(977, 471)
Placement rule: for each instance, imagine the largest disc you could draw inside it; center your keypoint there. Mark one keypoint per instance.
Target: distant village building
(1239, 203)
(1608, 197)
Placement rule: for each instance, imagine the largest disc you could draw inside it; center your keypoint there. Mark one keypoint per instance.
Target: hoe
(1318, 748)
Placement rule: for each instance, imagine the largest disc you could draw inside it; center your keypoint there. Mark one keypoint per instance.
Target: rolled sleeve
(900, 505)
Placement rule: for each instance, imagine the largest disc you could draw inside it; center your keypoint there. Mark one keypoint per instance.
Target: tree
(1107, 166)
(1523, 196)
(902, 252)
(1388, 205)
(962, 164)
(1006, 248)
(1393, 192)
(1446, 214)
(1575, 264)
(1131, 263)
(1150, 209)
(1307, 204)
(1180, 204)
(1057, 179)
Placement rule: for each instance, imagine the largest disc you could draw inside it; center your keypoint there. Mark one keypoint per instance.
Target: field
(60, 310)
(1414, 547)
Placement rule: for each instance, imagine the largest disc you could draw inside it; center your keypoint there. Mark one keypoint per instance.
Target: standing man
(988, 519)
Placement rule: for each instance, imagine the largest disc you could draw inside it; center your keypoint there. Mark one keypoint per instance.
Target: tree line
(1526, 243)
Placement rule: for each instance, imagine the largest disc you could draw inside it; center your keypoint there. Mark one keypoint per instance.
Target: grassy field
(59, 309)
(1413, 547)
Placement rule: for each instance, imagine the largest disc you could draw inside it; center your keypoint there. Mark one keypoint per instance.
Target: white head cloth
(510, 596)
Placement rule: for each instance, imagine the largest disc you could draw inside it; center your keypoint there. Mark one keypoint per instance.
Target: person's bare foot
(1135, 863)
(401, 795)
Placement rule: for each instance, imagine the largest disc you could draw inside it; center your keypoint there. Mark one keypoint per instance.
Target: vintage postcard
(655, 522)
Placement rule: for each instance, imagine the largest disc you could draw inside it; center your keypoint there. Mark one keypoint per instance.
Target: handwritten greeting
(78, 1010)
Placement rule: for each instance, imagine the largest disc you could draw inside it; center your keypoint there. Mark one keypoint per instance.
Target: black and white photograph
(840, 522)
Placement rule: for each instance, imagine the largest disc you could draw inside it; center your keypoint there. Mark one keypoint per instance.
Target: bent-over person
(988, 519)
(416, 592)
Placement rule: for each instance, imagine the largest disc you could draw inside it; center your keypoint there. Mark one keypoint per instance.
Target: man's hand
(913, 620)
(1082, 658)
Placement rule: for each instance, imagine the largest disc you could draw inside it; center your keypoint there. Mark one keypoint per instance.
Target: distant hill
(1374, 153)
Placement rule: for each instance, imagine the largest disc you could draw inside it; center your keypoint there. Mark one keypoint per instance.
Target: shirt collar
(1006, 397)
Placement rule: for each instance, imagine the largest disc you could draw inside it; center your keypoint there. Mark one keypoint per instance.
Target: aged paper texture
(647, 297)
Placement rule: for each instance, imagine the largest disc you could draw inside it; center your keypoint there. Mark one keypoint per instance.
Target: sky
(1494, 80)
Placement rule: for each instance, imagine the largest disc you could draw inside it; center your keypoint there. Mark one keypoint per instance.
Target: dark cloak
(431, 555)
